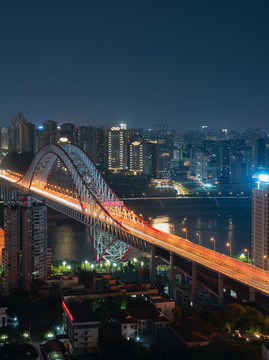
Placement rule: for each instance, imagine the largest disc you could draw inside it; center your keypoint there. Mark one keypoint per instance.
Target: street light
(199, 238)
(247, 251)
(266, 260)
(173, 229)
(213, 239)
(230, 246)
(141, 215)
(186, 231)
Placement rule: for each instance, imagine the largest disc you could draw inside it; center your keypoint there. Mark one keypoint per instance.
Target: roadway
(237, 270)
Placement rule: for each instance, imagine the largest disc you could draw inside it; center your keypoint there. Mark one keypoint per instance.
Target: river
(227, 220)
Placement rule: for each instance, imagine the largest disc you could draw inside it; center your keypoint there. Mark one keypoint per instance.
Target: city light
(264, 177)
(247, 251)
(230, 246)
(199, 238)
(214, 242)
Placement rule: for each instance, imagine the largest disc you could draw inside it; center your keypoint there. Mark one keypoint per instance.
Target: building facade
(260, 224)
(25, 248)
(116, 148)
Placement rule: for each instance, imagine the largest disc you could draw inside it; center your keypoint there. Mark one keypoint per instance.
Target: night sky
(142, 62)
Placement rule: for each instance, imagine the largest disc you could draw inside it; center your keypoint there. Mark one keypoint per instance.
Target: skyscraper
(260, 223)
(24, 254)
(16, 121)
(116, 149)
(27, 138)
(49, 132)
(137, 160)
(5, 138)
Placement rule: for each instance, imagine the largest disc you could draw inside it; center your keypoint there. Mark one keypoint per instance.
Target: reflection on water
(229, 221)
(162, 224)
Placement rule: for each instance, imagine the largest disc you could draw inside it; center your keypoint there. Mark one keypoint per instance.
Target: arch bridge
(113, 228)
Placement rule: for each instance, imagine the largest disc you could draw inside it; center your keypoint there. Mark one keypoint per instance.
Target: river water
(227, 220)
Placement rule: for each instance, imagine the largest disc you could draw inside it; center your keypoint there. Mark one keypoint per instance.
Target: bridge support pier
(194, 284)
(172, 288)
(220, 290)
(153, 265)
(252, 294)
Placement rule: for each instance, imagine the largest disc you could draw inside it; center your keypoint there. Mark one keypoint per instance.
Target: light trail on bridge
(128, 222)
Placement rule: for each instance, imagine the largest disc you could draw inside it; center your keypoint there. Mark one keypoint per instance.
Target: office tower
(116, 149)
(49, 132)
(27, 138)
(5, 138)
(260, 223)
(16, 121)
(137, 159)
(24, 253)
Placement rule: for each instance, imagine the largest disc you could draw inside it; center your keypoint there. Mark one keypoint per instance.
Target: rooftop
(79, 312)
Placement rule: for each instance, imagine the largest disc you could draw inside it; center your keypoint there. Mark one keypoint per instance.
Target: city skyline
(185, 64)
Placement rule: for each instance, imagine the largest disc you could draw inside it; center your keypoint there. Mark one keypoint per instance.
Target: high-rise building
(5, 138)
(102, 149)
(224, 156)
(27, 138)
(39, 137)
(137, 159)
(25, 250)
(88, 141)
(68, 130)
(260, 223)
(49, 132)
(151, 155)
(16, 121)
(116, 149)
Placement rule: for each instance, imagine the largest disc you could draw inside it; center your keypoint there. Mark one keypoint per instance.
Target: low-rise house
(189, 337)
(81, 327)
(135, 322)
(129, 325)
(163, 304)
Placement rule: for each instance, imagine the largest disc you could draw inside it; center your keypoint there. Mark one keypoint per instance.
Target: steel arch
(94, 194)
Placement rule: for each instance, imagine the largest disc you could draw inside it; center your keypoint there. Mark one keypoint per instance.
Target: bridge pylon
(107, 247)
